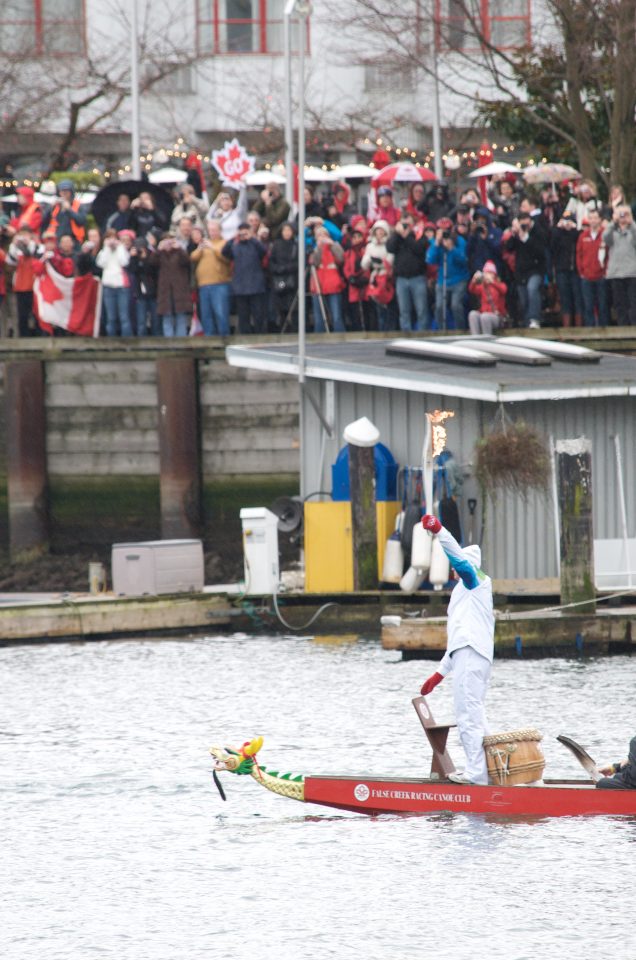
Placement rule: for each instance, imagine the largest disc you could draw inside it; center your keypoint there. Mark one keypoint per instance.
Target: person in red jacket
(591, 259)
(357, 278)
(491, 291)
(60, 257)
(327, 282)
(385, 209)
(3, 281)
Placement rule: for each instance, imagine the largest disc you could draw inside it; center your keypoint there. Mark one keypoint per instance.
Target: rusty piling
(27, 477)
(179, 448)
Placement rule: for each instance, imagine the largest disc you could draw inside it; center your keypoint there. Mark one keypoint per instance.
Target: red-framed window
(39, 28)
(239, 27)
(468, 25)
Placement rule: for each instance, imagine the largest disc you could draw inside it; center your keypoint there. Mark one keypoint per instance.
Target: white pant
(471, 673)
(483, 322)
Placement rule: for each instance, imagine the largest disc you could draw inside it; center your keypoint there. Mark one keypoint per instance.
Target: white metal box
(260, 550)
(157, 566)
(614, 564)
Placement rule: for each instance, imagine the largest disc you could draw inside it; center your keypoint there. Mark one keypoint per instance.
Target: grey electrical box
(157, 566)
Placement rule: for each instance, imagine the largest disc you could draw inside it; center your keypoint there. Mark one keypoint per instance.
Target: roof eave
(259, 358)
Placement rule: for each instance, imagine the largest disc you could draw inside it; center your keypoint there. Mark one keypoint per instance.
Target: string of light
(178, 150)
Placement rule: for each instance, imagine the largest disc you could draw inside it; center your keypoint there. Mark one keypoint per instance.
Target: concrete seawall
(102, 410)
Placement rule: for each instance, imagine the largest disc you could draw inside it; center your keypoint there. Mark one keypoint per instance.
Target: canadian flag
(72, 303)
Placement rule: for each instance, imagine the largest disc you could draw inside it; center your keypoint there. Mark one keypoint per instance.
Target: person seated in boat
(620, 775)
(469, 649)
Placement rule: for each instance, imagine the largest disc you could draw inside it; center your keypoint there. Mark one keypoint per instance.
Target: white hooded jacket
(471, 618)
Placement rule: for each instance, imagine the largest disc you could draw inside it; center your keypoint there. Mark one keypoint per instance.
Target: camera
(446, 234)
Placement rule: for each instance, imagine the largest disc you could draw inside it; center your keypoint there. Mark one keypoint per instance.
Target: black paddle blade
(586, 761)
(219, 786)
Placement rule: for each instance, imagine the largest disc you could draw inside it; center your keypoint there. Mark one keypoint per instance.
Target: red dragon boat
(374, 795)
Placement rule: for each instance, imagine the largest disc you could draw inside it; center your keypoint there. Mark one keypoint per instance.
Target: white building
(365, 74)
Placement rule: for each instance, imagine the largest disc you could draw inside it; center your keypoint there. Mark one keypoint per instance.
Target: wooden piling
(179, 448)
(574, 490)
(363, 517)
(27, 477)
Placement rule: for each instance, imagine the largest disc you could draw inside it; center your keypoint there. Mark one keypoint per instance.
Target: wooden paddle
(588, 764)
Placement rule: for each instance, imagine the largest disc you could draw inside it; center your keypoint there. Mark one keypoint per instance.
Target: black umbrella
(105, 201)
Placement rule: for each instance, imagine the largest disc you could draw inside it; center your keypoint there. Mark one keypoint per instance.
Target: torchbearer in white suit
(469, 649)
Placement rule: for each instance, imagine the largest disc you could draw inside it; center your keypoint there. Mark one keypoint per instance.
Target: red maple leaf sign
(48, 290)
(232, 163)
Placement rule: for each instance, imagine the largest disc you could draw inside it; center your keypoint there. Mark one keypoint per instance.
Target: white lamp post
(437, 127)
(289, 129)
(135, 144)
(302, 9)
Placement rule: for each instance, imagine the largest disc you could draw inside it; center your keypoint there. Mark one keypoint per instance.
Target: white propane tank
(393, 565)
(411, 580)
(421, 548)
(439, 571)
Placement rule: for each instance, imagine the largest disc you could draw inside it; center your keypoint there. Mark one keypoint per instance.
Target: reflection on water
(117, 845)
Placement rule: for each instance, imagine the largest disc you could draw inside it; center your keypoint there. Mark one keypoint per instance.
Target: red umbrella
(403, 172)
(485, 158)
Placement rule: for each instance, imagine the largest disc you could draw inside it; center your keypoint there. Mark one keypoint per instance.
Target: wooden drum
(514, 757)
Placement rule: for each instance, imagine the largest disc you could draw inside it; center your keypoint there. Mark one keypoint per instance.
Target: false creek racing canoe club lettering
(362, 793)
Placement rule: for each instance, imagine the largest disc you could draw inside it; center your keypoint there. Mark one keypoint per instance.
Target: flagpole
(289, 130)
(135, 145)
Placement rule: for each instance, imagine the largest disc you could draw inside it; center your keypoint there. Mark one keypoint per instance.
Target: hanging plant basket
(513, 457)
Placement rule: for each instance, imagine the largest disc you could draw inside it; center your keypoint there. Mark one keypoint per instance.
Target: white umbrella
(84, 198)
(168, 175)
(550, 173)
(258, 178)
(497, 166)
(356, 171)
(317, 175)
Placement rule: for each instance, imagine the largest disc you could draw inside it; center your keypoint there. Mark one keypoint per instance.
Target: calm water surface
(116, 845)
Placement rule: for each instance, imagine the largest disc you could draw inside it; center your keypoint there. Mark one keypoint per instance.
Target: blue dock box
(386, 471)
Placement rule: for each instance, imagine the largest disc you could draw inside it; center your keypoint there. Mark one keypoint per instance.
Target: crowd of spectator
(429, 261)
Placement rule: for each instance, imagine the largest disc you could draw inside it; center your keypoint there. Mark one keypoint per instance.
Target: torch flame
(438, 430)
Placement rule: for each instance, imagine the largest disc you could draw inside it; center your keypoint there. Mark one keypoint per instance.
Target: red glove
(431, 683)
(431, 523)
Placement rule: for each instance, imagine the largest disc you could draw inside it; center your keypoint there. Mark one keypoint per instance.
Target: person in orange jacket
(66, 217)
(23, 253)
(29, 213)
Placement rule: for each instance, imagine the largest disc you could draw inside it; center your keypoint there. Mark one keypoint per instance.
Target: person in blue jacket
(484, 241)
(248, 280)
(448, 254)
(469, 649)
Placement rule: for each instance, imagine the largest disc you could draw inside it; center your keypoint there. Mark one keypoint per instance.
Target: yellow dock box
(328, 543)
